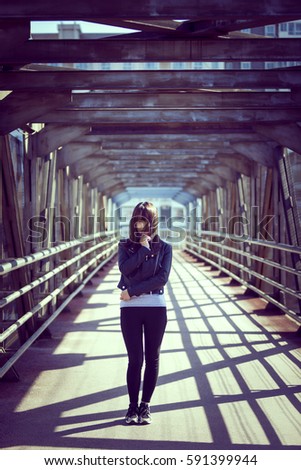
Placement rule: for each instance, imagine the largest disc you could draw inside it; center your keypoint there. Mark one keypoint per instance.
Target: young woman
(144, 262)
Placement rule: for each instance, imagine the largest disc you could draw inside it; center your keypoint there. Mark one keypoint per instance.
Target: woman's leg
(155, 320)
(132, 329)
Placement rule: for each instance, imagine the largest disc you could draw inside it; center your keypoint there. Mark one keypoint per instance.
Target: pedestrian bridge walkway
(229, 375)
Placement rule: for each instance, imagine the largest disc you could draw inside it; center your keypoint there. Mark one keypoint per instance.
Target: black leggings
(134, 322)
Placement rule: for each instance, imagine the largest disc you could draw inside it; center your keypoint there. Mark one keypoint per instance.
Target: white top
(145, 300)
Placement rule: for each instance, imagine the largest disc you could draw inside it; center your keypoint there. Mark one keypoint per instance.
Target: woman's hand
(124, 295)
(144, 241)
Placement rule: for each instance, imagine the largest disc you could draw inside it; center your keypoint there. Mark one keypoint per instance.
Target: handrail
(15, 263)
(108, 246)
(9, 331)
(273, 283)
(16, 294)
(197, 249)
(254, 241)
(269, 262)
(267, 297)
(13, 359)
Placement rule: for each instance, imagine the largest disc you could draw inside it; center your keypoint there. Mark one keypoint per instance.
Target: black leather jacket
(143, 270)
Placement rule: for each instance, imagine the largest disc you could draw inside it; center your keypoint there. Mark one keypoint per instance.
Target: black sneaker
(144, 414)
(132, 415)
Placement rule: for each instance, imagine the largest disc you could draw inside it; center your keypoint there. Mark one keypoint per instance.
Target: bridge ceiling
(184, 131)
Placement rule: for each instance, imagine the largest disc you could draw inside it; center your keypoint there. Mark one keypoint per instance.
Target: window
(198, 65)
(150, 65)
(283, 27)
(82, 66)
(294, 28)
(246, 65)
(270, 30)
(178, 65)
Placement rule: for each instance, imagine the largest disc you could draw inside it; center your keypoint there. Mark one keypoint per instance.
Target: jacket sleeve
(128, 263)
(157, 281)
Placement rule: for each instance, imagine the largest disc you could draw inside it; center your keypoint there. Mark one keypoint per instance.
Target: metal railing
(214, 251)
(85, 265)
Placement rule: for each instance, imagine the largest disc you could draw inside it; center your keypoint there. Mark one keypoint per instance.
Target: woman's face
(141, 226)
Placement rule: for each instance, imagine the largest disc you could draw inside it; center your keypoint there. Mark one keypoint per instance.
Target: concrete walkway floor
(229, 375)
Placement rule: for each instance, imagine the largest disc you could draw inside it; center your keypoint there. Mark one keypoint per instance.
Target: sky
(86, 27)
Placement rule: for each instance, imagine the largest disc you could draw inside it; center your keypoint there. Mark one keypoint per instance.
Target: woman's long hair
(146, 212)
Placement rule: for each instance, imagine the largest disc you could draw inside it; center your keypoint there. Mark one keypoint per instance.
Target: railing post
(293, 228)
(13, 230)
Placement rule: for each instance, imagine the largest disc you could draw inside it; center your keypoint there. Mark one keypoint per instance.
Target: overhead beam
(130, 178)
(144, 160)
(109, 186)
(162, 144)
(219, 137)
(145, 183)
(144, 163)
(148, 165)
(211, 28)
(73, 152)
(211, 181)
(130, 174)
(116, 190)
(142, 25)
(225, 172)
(213, 132)
(161, 9)
(197, 189)
(173, 100)
(156, 152)
(87, 164)
(259, 152)
(52, 137)
(288, 135)
(127, 50)
(18, 109)
(92, 169)
(171, 116)
(13, 33)
(237, 162)
(150, 80)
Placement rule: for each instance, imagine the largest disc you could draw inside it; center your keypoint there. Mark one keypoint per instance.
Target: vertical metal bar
(293, 228)
(13, 230)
